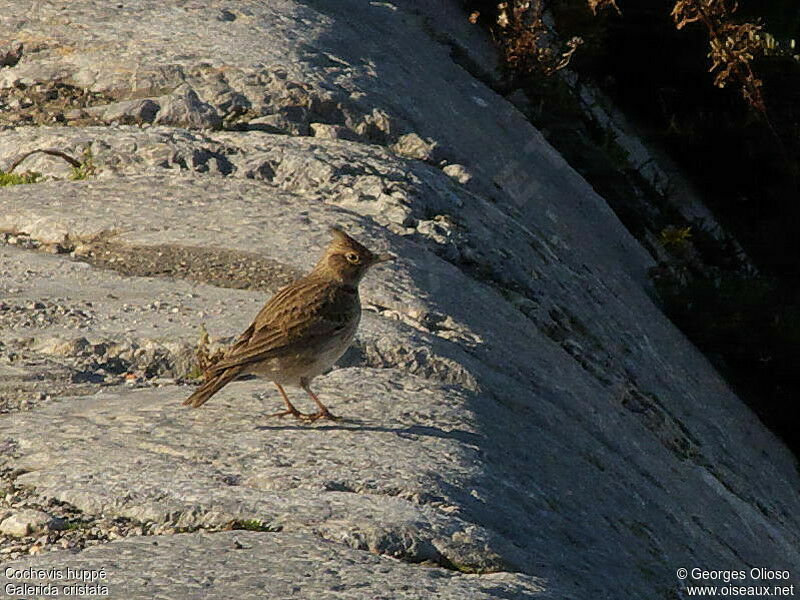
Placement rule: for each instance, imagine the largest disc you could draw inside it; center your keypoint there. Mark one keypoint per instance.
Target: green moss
(20, 179)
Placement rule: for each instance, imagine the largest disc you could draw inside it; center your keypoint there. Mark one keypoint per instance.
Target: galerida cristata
(302, 330)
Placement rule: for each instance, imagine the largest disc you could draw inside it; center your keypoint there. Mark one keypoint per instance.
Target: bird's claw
(322, 414)
(295, 413)
(308, 417)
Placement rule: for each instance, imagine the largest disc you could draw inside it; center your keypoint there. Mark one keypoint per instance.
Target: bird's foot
(322, 414)
(293, 412)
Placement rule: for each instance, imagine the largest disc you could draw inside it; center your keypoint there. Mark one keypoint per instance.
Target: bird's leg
(323, 412)
(290, 408)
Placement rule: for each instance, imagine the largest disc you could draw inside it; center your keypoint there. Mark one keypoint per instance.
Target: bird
(302, 330)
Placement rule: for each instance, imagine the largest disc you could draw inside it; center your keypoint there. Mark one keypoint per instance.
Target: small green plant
(85, 169)
(20, 178)
(674, 236)
(249, 525)
(194, 373)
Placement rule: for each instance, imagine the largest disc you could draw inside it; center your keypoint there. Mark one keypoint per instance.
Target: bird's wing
(268, 313)
(299, 315)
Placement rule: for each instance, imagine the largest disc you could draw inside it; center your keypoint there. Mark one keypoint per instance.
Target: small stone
(276, 123)
(10, 54)
(60, 347)
(412, 145)
(75, 114)
(132, 112)
(332, 132)
(458, 172)
(24, 522)
(184, 108)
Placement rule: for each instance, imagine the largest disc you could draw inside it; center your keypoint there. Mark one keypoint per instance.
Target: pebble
(458, 172)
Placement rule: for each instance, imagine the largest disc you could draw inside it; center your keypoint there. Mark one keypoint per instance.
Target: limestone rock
(252, 565)
(331, 132)
(61, 347)
(412, 145)
(21, 523)
(133, 112)
(184, 108)
(276, 124)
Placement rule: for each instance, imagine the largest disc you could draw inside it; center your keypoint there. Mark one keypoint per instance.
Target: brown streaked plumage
(302, 330)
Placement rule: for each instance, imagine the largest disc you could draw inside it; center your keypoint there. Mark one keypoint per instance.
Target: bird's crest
(341, 241)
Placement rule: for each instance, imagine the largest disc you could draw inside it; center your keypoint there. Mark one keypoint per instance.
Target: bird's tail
(211, 387)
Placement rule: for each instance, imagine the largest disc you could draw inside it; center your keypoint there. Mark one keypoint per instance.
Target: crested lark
(302, 330)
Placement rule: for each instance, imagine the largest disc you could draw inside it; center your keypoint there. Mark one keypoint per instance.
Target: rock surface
(521, 418)
(266, 565)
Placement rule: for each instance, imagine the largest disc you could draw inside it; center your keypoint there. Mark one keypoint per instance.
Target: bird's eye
(353, 257)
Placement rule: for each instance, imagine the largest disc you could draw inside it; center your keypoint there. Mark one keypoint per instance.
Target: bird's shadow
(409, 432)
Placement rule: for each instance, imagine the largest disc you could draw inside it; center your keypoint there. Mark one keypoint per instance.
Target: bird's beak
(379, 258)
